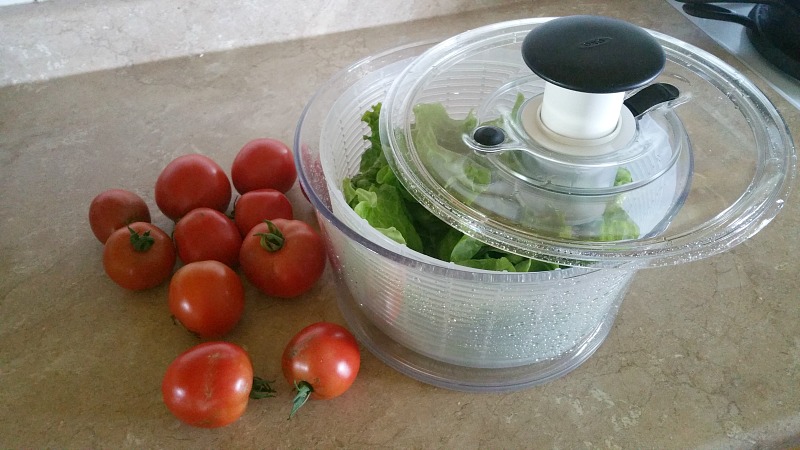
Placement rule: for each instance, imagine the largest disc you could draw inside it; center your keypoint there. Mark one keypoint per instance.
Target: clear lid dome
(575, 173)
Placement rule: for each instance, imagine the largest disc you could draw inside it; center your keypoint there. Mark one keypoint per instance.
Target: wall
(56, 38)
(17, 2)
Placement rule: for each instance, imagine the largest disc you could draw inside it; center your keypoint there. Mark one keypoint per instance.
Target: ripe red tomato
(208, 385)
(139, 256)
(263, 163)
(322, 361)
(207, 297)
(206, 233)
(189, 182)
(114, 209)
(282, 258)
(257, 206)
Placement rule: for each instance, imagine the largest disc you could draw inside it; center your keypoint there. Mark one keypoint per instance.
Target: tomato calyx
(304, 390)
(141, 242)
(261, 389)
(273, 239)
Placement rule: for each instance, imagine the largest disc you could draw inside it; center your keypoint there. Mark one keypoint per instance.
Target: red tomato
(257, 206)
(282, 258)
(207, 297)
(263, 163)
(189, 182)
(208, 385)
(114, 209)
(322, 361)
(206, 233)
(139, 256)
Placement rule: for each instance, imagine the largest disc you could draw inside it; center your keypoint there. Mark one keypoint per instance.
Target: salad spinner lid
(587, 140)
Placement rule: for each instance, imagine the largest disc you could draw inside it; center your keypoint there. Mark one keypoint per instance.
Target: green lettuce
(376, 195)
(438, 140)
(617, 225)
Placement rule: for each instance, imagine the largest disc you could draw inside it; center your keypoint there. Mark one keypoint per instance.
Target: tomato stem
(304, 390)
(141, 242)
(273, 239)
(232, 215)
(261, 389)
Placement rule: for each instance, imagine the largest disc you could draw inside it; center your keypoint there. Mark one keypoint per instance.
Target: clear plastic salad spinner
(587, 140)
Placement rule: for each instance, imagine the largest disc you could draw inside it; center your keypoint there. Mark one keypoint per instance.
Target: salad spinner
(584, 142)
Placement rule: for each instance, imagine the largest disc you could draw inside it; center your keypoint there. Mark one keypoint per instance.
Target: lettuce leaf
(377, 195)
(438, 140)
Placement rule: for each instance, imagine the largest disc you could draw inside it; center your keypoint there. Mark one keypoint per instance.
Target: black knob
(489, 136)
(593, 54)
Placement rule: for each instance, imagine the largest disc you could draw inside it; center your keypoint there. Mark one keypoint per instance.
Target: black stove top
(735, 38)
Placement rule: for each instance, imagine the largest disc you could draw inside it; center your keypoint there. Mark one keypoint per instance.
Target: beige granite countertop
(66, 37)
(702, 355)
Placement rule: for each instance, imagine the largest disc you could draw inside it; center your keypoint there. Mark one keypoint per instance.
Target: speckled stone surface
(702, 355)
(68, 37)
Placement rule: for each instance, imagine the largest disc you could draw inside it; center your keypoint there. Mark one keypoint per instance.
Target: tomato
(257, 206)
(189, 182)
(206, 233)
(207, 298)
(263, 163)
(208, 385)
(321, 361)
(114, 209)
(282, 258)
(139, 256)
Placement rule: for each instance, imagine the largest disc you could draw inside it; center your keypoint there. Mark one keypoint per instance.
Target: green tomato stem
(232, 215)
(141, 242)
(273, 239)
(261, 389)
(304, 390)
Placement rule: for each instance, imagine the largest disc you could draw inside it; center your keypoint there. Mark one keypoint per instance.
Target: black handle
(789, 4)
(649, 97)
(714, 12)
(749, 2)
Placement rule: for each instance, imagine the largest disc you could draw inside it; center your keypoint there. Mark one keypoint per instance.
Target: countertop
(702, 355)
